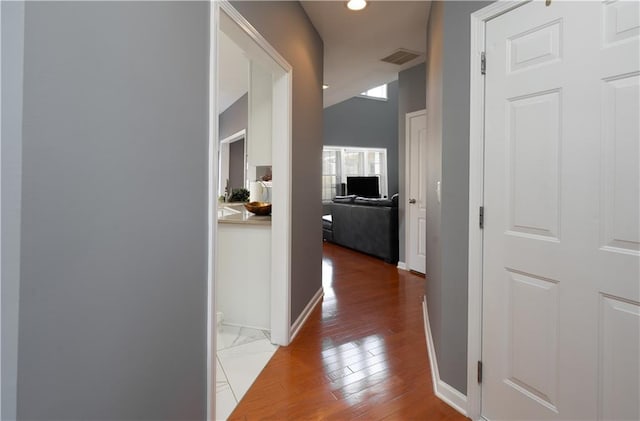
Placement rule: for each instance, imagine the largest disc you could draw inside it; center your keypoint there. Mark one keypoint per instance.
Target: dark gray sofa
(366, 225)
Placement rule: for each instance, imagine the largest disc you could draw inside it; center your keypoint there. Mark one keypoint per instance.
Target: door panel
(561, 300)
(534, 47)
(533, 336)
(622, 21)
(621, 192)
(533, 164)
(618, 360)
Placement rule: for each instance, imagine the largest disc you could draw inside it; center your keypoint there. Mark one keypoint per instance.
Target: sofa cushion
(344, 199)
(366, 201)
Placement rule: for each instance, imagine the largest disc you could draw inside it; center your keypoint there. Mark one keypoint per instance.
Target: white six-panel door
(561, 263)
(417, 191)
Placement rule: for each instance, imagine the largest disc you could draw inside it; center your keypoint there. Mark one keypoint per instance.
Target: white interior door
(561, 311)
(416, 222)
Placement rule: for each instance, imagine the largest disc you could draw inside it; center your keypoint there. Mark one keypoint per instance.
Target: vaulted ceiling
(354, 42)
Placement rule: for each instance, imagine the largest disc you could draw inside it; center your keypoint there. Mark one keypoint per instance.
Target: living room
(369, 132)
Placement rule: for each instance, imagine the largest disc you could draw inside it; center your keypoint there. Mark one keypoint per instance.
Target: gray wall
(448, 54)
(114, 211)
(234, 118)
(236, 164)
(411, 97)
(364, 122)
(12, 60)
(434, 171)
(299, 43)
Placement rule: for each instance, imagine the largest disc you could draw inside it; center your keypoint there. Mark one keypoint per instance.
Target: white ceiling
(354, 42)
(233, 79)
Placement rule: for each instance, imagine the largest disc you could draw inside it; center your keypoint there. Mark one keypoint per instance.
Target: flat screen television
(364, 186)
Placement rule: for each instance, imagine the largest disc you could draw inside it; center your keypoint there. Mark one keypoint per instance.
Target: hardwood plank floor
(361, 355)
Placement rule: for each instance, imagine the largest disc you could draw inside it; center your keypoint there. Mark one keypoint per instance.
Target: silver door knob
(412, 201)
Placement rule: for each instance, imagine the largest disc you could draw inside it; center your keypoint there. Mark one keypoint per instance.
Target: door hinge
(479, 371)
(483, 63)
(481, 216)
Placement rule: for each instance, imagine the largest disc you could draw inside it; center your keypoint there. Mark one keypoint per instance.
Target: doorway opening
(263, 300)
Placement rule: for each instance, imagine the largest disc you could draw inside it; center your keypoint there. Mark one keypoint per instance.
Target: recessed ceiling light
(325, 86)
(356, 4)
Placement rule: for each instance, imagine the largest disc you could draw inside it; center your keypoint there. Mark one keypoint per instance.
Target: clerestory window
(379, 92)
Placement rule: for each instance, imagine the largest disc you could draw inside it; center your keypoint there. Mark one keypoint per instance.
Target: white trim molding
(444, 391)
(476, 197)
(253, 33)
(402, 265)
(281, 219)
(302, 319)
(236, 136)
(212, 188)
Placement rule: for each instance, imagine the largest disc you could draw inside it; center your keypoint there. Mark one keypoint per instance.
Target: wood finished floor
(360, 356)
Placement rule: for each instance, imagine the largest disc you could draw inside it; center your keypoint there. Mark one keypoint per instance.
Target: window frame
(340, 173)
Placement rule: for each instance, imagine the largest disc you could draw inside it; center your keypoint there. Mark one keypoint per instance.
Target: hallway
(362, 355)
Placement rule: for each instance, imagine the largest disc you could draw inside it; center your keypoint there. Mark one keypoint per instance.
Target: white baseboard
(297, 325)
(448, 394)
(402, 266)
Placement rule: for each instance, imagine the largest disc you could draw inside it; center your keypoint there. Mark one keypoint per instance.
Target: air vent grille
(400, 57)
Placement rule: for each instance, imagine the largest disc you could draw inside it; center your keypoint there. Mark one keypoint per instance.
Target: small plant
(239, 195)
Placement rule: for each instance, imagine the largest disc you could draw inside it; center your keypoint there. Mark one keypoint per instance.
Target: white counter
(243, 269)
(234, 213)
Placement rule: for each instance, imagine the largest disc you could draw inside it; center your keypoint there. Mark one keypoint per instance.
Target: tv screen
(363, 186)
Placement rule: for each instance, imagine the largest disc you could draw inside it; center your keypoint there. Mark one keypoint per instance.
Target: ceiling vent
(400, 57)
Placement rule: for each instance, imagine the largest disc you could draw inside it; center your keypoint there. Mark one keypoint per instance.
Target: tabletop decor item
(259, 208)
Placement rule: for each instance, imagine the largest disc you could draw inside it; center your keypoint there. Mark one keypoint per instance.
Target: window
(340, 162)
(379, 92)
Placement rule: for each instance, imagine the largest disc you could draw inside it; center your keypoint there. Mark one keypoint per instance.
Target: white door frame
(281, 192)
(407, 183)
(476, 195)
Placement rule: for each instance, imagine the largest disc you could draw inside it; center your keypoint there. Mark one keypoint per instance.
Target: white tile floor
(242, 354)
